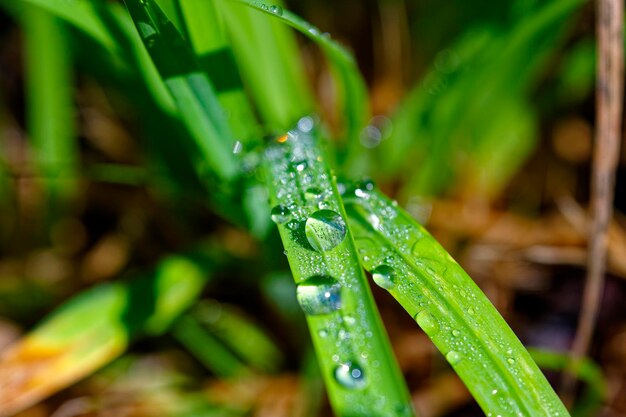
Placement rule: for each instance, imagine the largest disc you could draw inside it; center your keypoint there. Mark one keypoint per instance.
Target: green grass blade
(79, 13)
(269, 60)
(356, 361)
(210, 43)
(192, 91)
(352, 89)
(50, 110)
(409, 263)
(445, 126)
(94, 328)
(245, 338)
(210, 351)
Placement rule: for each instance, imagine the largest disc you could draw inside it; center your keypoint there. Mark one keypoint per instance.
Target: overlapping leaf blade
(408, 262)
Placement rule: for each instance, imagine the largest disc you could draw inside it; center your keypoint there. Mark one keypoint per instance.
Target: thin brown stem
(609, 99)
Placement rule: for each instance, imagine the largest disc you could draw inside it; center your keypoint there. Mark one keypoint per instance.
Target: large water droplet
(350, 376)
(280, 214)
(319, 295)
(325, 229)
(277, 10)
(453, 357)
(384, 276)
(427, 322)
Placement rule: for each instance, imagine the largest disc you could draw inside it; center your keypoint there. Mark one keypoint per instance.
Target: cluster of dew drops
(325, 229)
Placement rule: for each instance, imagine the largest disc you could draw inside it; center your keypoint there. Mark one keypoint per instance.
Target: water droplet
(470, 311)
(322, 333)
(494, 392)
(510, 361)
(350, 321)
(280, 214)
(314, 31)
(350, 376)
(456, 333)
(324, 205)
(292, 225)
(319, 295)
(306, 124)
(277, 10)
(384, 276)
(237, 147)
(301, 166)
(427, 322)
(325, 229)
(313, 195)
(453, 357)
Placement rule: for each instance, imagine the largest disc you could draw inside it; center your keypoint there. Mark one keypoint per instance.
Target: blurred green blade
(94, 328)
(81, 14)
(245, 338)
(269, 60)
(445, 129)
(210, 351)
(210, 43)
(362, 377)
(352, 88)
(409, 263)
(192, 91)
(50, 109)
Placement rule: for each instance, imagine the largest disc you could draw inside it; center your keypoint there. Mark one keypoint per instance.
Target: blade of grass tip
(208, 349)
(479, 345)
(362, 377)
(244, 337)
(210, 43)
(50, 109)
(94, 328)
(193, 93)
(268, 57)
(352, 88)
(587, 371)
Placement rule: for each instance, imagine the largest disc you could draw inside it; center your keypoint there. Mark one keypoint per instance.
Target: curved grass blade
(361, 375)
(94, 328)
(192, 91)
(50, 110)
(353, 91)
(246, 339)
(207, 349)
(409, 263)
